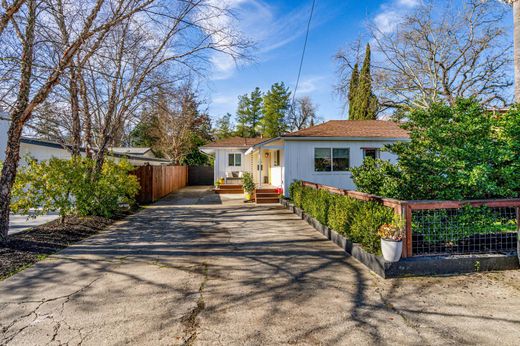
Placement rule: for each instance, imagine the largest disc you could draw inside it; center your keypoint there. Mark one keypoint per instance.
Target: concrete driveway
(193, 269)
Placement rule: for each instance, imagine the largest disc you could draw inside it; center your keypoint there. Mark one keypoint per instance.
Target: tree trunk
(12, 156)
(12, 152)
(74, 108)
(516, 15)
(86, 114)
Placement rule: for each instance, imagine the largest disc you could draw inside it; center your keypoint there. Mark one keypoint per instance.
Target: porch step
(229, 192)
(267, 200)
(266, 195)
(230, 189)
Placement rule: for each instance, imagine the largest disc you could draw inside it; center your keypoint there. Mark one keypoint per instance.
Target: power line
(303, 55)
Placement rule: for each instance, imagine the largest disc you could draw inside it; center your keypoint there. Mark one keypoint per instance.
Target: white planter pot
(391, 250)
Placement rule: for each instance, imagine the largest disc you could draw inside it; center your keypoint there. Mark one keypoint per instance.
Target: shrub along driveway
(193, 270)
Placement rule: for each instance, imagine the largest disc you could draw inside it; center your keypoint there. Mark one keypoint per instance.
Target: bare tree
(516, 38)
(439, 52)
(144, 54)
(31, 68)
(304, 114)
(9, 11)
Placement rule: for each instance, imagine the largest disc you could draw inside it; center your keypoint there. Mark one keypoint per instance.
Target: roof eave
(342, 138)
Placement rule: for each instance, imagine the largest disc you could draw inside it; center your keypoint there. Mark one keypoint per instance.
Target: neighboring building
(140, 152)
(43, 150)
(322, 154)
(4, 127)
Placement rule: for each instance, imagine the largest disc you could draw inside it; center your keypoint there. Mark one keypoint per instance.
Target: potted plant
(391, 241)
(249, 186)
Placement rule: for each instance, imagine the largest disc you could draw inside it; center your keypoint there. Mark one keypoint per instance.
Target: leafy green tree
(459, 152)
(364, 103)
(352, 91)
(66, 187)
(275, 108)
(224, 128)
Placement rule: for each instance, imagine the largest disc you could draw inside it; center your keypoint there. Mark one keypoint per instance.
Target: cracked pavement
(199, 269)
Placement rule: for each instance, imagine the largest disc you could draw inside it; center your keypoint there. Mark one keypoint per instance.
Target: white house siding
(4, 128)
(299, 161)
(43, 153)
(221, 165)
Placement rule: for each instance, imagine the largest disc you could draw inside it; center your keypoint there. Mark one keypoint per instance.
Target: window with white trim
(276, 158)
(331, 159)
(235, 160)
(371, 152)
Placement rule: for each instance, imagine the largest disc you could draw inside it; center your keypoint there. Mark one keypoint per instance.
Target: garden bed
(412, 266)
(28, 247)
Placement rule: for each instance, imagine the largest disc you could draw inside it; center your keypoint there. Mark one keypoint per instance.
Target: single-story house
(322, 154)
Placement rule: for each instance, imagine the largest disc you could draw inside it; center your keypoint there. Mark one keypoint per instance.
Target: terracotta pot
(391, 249)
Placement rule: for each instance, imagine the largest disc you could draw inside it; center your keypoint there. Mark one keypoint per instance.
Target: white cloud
(392, 13)
(408, 3)
(263, 24)
(221, 99)
(308, 85)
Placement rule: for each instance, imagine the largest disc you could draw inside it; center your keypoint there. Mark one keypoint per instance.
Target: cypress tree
(352, 90)
(365, 102)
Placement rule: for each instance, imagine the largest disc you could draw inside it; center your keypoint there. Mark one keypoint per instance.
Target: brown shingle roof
(235, 142)
(353, 128)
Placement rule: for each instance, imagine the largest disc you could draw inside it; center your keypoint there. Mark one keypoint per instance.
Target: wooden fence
(405, 210)
(159, 181)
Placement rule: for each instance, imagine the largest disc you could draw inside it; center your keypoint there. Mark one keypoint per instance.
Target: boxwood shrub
(357, 220)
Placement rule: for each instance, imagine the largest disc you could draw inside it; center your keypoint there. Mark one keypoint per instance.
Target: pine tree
(352, 90)
(276, 105)
(249, 113)
(255, 111)
(224, 127)
(364, 101)
(242, 129)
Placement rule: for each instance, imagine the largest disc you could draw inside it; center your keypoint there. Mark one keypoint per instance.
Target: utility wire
(303, 55)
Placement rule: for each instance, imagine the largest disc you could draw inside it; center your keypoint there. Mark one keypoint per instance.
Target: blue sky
(278, 28)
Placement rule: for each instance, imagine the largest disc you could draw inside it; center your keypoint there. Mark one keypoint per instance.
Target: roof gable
(235, 142)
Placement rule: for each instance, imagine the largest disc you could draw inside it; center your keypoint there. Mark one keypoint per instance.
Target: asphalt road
(19, 223)
(194, 269)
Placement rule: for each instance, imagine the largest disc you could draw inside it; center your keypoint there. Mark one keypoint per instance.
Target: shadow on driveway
(199, 268)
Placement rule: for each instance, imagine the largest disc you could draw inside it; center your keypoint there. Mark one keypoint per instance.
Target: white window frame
(234, 159)
(277, 159)
(376, 149)
(331, 160)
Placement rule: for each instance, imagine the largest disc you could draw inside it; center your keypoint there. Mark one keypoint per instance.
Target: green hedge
(357, 220)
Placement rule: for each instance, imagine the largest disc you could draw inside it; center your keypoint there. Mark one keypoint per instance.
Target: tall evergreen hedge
(357, 220)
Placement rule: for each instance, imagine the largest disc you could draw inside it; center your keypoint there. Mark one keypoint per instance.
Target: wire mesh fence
(464, 230)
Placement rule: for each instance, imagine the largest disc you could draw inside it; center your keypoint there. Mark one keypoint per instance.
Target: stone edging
(414, 266)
